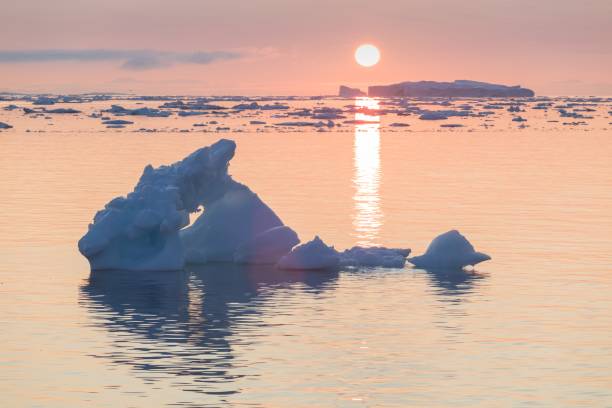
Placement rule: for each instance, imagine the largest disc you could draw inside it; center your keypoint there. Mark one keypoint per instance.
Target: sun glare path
(368, 217)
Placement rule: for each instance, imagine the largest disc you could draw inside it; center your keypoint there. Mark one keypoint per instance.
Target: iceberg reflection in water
(368, 217)
(188, 323)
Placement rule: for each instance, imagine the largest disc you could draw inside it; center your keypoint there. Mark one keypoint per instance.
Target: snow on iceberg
(449, 251)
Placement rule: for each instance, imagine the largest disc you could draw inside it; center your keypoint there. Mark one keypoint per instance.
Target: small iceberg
(117, 122)
(62, 111)
(374, 257)
(449, 251)
(313, 255)
(150, 112)
(319, 256)
(433, 116)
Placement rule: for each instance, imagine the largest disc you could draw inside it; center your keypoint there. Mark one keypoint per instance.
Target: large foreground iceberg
(143, 230)
(148, 230)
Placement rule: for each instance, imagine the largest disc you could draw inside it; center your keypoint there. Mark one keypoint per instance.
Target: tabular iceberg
(457, 89)
(449, 251)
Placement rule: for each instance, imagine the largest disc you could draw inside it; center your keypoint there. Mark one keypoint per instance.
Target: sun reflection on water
(367, 217)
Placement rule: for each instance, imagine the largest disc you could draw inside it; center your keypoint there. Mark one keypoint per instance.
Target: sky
(287, 47)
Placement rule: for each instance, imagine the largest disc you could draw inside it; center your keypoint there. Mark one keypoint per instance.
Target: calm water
(532, 328)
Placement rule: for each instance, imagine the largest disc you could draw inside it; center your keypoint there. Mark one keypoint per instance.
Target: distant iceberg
(458, 88)
(346, 92)
(150, 112)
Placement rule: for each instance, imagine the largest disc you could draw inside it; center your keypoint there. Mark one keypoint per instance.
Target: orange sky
(303, 47)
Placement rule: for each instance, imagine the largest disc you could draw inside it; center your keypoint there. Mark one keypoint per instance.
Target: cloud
(129, 59)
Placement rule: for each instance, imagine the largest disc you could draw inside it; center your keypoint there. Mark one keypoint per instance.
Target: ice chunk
(267, 247)
(433, 116)
(304, 123)
(448, 251)
(375, 256)
(311, 255)
(150, 112)
(191, 113)
(117, 122)
(62, 110)
(141, 231)
(44, 100)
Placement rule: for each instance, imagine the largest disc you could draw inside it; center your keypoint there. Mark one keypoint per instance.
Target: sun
(367, 55)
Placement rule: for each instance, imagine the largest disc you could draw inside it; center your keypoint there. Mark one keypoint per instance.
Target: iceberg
(433, 116)
(374, 257)
(144, 230)
(313, 255)
(304, 123)
(316, 255)
(141, 231)
(449, 251)
(44, 100)
(347, 92)
(150, 112)
(117, 122)
(62, 111)
(458, 88)
(148, 230)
